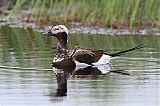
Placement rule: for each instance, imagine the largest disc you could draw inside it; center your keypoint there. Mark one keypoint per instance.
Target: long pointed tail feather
(128, 50)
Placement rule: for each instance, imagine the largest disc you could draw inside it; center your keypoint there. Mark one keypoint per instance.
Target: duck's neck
(62, 43)
(61, 47)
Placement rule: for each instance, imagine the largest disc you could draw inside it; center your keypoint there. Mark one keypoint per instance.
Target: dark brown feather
(64, 63)
(87, 56)
(98, 54)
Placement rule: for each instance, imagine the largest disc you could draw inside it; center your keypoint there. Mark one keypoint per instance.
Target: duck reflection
(62, 75)
(78, 72)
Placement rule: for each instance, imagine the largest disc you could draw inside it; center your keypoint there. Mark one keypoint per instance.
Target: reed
(110, 13)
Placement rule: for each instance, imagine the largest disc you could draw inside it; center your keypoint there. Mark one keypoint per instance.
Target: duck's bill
(49, 33)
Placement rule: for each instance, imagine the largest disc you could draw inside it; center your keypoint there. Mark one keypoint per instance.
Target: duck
(82, 57)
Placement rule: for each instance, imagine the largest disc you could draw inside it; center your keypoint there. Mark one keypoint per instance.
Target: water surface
(26, 76)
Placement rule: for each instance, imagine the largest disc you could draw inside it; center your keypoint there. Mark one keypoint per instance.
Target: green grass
(110, 13)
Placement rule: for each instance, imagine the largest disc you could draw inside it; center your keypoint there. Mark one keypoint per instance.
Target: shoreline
(77, 28)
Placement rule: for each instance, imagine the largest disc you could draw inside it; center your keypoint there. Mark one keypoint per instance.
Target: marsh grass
(110, 13)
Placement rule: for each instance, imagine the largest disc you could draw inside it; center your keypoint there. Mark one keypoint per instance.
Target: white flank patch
(104, 68)
(105, 59)
(81, 65)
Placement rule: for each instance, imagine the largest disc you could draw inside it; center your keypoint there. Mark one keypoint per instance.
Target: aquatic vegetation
(111, 13)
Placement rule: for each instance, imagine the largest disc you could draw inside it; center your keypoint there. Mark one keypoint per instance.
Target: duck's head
(59, 31)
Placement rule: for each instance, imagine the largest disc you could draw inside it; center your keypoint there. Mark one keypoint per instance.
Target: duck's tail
(124, 51)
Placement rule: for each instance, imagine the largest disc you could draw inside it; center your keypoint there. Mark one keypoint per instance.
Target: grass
(110, 13)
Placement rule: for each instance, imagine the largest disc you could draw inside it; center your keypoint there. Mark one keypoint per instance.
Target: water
(26, 76)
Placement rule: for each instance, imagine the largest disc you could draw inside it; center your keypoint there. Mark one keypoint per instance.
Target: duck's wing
(87, 56)
(98, 54)
(96, 57)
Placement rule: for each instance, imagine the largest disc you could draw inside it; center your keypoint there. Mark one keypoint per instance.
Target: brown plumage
(87, 56)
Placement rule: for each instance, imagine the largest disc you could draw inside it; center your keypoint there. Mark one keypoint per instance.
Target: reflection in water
(91, 72)
(88, 72)
(61, 76)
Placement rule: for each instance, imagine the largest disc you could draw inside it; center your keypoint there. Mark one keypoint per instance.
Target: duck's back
(87, 56)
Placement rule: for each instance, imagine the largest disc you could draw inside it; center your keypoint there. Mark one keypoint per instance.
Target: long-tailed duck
(78, 56)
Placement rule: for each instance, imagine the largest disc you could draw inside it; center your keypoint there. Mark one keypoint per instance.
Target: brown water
(26, 76)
